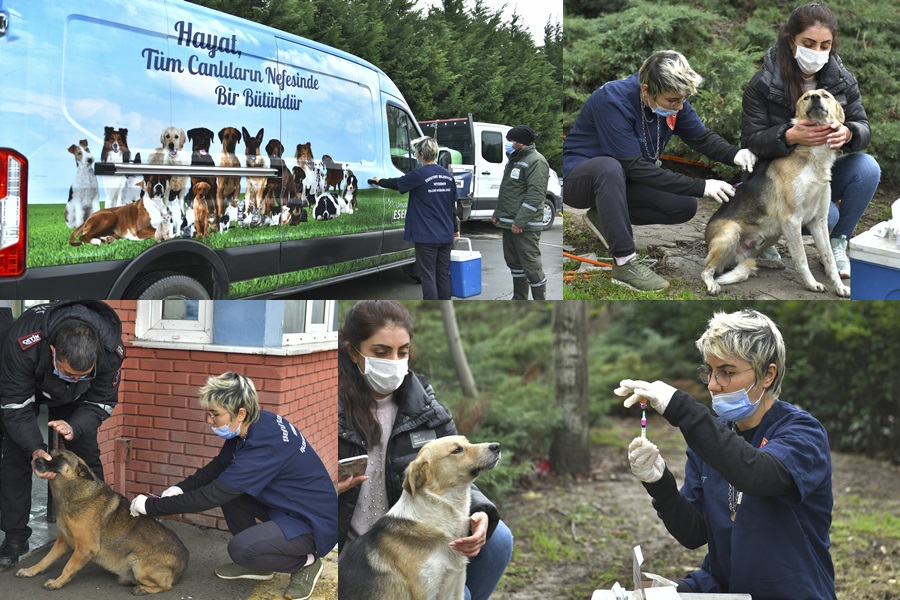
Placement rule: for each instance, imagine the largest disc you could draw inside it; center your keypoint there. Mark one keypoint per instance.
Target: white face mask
(811, 61)
(383, 375)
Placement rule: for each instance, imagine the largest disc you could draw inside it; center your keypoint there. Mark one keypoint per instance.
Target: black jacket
(418, 412)
(767, 112)
(26, 371)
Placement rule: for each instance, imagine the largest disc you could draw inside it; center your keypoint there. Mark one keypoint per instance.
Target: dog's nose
(40, 463)
(495, 447)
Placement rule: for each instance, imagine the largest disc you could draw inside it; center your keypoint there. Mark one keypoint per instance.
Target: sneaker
(304, 581)
(839, 250)
(770, 259)
(592, 221)
(637, 275)
(233, 571)
(11, 551)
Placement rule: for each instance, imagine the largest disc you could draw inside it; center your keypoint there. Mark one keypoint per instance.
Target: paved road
(496, 283)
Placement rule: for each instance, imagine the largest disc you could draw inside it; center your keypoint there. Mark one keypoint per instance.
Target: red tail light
(13, 194)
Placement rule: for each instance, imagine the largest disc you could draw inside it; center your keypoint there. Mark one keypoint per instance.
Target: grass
(48, 235)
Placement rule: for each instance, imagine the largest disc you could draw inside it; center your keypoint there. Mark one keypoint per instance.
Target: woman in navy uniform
(266, 471)
(757, 484)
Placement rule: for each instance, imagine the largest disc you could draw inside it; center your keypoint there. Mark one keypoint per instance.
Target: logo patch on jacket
(120, 350)
(27, 341)
(115, 381)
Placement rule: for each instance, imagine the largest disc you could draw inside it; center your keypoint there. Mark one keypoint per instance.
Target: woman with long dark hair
(388, 412)
(803, 59)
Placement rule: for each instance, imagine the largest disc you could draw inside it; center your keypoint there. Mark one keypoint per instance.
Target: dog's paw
(815, 286)
(713, 288)
(843, 291)
(52, 584)
(26, 573)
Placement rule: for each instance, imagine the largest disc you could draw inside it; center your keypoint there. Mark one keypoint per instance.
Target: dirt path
(574, 536)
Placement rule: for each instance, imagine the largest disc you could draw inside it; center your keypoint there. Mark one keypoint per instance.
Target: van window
(492, 146)
(401, 131)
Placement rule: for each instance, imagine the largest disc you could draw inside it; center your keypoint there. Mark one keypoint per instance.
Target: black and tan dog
(780, 198)
(281, 187)
(406, 555)
(95, 522)
(228, 189)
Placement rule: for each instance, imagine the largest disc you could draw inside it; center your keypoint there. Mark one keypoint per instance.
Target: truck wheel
(549, 214)
(166, 285)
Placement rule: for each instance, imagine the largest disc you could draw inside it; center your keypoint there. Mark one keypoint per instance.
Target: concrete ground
(682, 253)
(496, 282)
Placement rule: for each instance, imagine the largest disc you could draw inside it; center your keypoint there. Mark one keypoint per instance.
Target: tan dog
(146, 218)
(782, 196)
(229, 188)
(95, 522)
(201, 208)
(256, 186)
(406, 556)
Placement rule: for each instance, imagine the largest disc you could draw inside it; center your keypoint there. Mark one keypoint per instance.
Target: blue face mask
(734, 406)
(664, 113)
(508, 147)
(224, 432)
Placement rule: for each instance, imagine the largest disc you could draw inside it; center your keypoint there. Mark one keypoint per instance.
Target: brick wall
(158, 433)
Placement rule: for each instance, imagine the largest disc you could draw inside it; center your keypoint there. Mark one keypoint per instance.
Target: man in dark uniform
(67, 355)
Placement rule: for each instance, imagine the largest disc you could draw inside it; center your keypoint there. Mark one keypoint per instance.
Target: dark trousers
(15, 475)
(433, 263)
(522, 252)
(600, 182)
(263, 545)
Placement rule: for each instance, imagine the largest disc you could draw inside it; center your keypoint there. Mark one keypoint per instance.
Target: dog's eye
(457, 450)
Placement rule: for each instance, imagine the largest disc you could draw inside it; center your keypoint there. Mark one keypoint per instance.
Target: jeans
(433, 262)
(854, 180)
(485, 570)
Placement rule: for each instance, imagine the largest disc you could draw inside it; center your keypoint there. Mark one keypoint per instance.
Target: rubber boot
(539, 292)
(520, 288)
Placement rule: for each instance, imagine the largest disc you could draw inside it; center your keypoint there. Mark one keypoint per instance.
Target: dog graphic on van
(253, 196)
(115, 150)
(229, 188)
(172, 140)
(84, 193)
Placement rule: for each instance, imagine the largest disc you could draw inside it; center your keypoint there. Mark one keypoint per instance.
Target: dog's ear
(259, 136)
(245, 132)
(82, 471)
(416, 475)
(840, 112)
(123, 132)
(107, 130)
(84, 144)
(222, 134)
(137, 158)
(73, 148)
(192, 133)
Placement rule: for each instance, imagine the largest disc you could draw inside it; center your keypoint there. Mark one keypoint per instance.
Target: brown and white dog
(780, 198)
(146, 218)
(229, 188)
(200, 209)
(172, 140)
(84, 193)
(406, 555)
(115, 150)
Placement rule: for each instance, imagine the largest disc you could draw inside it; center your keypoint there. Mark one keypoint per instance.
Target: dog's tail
(741, 272)
(77, 234)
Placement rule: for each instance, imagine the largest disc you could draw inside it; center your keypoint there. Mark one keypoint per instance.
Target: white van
(479, 148)
(113, 110)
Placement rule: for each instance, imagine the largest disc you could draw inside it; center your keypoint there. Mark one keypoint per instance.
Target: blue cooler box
(874, 267)
(465, 272)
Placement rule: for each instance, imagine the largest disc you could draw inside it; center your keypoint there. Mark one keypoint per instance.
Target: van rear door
(490, 161)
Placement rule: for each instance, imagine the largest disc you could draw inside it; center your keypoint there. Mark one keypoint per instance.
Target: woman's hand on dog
(472, 545)
(807, 133)
(350, 483)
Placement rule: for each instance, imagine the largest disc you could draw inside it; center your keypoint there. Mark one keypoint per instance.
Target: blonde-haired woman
(612, 167)
(757, 484)
(431, 223)
(276, 495)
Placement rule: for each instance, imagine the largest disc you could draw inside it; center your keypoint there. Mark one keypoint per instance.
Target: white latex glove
(745, 160)
(646, 462)
(172, 491)
(138, 506)
(720, 191)
(657, 393)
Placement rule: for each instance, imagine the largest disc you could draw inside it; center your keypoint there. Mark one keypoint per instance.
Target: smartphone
(354, 466)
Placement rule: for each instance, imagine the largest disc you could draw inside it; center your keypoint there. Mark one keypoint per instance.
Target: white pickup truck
(479, 147)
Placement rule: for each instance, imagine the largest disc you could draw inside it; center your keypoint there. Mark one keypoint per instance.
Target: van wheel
(549, 214)
(166, 285)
